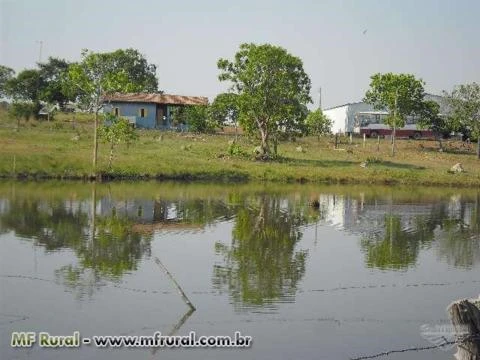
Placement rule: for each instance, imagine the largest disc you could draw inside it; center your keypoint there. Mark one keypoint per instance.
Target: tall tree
(318, 123)
(54, 74)
(25, 89)
(26, 86)
(137, 68)
(400, 94)
(6, 74)
(99, 75)
(464, 103)
(272, 89)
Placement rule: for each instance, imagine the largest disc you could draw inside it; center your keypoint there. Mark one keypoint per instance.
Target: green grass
(49, 150)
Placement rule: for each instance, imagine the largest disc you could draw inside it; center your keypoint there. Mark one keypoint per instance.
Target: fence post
(465, 318)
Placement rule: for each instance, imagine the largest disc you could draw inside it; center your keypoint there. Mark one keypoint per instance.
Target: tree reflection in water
(451, 227)
(262, 264)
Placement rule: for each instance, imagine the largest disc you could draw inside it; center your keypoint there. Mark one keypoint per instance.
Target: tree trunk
(95, 144)
(264, 142)
(394, 123)
(478, 147)
(393, 140)
(110, 159)
(440, 144)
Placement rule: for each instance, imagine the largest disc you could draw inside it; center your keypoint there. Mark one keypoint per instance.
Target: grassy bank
(62, 149)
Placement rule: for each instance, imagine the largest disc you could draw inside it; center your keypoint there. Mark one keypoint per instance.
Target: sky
(341, 43)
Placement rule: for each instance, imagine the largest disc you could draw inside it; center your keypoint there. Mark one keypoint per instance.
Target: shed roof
(428, 96)
(339, 106)
(165, 99)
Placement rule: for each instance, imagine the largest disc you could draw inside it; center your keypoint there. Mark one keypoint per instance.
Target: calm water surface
(357, 275)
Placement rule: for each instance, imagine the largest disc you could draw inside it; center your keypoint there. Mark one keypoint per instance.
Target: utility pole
(40, 50)
(320, 98)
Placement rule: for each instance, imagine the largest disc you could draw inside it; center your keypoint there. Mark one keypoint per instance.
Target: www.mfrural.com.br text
(75, 340)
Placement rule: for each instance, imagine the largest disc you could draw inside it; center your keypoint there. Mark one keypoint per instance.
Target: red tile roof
(158, 99)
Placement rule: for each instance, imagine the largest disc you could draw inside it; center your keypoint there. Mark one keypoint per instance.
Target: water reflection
(397, 247)
(262, 263)
(459, 238)
(261, 260)
(394, 229)
(53, 224)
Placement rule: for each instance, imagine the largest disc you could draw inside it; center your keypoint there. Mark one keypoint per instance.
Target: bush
(24, 110)
(234, 149)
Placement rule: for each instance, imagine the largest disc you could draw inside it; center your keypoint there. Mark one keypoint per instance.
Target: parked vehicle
(372, 124)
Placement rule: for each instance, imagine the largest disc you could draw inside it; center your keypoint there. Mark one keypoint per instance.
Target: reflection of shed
(343, 116)
(360, 216)
(149, 111)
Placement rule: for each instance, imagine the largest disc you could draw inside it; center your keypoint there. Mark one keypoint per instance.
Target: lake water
(357, 275)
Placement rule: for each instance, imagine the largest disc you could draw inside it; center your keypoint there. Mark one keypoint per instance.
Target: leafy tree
(224, 109)
(400, 94)
(272, 90)
(117, 131)
(318, 123)
(430, 117)
(25, 90)
(25, 86)
(196, 117)
(137, 68)
(22, 109)
(464, 103)
(99, 75)
(6, 74)
(54, 74)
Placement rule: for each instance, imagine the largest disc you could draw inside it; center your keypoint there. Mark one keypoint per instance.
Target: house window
(142, 112)
(116, 111)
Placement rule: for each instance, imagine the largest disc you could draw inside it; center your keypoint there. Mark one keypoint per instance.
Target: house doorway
(159, 117)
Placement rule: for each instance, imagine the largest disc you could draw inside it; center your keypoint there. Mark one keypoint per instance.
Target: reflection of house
(150, 215)
(344, 116)
(149, 111)
(138, 210)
